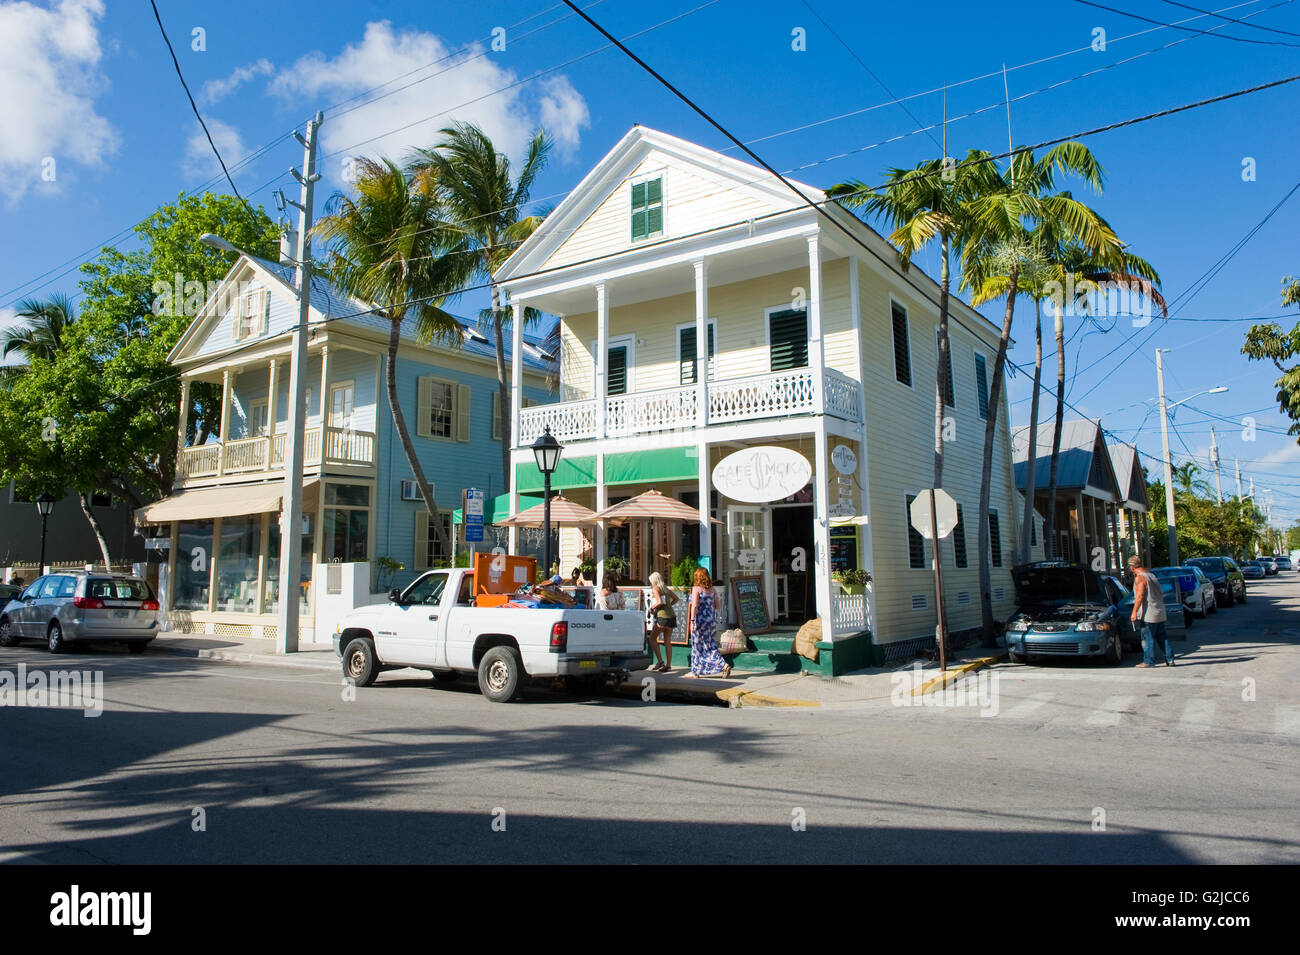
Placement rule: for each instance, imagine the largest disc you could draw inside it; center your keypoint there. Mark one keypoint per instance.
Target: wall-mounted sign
(472, 511)
(760, 475)
(845, 461)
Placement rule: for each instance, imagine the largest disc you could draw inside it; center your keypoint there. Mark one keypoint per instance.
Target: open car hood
(1043, 586)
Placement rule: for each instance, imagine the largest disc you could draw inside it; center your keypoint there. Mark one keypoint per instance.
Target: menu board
(844, 548)
(750, 601)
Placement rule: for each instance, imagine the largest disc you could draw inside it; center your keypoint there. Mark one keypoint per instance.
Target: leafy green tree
(394, 246)
(486, 203)
(41, 331)
(100, 411)
(1269, 342)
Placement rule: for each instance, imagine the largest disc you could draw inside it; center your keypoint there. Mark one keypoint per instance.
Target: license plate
(122, 613)
(586, 664)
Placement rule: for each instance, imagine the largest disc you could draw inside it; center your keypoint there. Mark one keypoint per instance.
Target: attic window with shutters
(442, 409)
(251, 317)
(647, 208)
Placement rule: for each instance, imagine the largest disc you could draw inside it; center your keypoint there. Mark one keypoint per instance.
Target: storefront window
(273, 565)
(241, 539)
(347, 522)
(193, 570)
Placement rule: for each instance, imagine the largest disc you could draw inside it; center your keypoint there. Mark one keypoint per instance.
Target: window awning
(208, 502)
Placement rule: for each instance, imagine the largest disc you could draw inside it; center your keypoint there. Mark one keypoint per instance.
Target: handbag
(733, 641)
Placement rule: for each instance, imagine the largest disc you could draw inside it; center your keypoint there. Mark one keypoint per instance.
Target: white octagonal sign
(945, 509)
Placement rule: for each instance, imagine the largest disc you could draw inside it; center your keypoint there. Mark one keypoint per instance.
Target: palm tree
(41, 334)
(1079, 273)
(1003, 217)
(486, 205)
(923, 204)
(394, 248)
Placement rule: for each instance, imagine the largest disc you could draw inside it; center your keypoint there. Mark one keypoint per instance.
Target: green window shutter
(654, 220)
(915, 542)
(982, 385)
(654, 191)
(462, 412)
(902, 350)
(647, 208)
(424, 407)
(616, 377)
(959, 540)
(788, 334)
(995, 539)
(421, 561)
(639, 224)
(638, 194)
(949, 398)
(496, 415)
(686, 346)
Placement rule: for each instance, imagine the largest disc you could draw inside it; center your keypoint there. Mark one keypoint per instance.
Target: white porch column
(602, 502)
(516, 372)
(602, 357)
(702, 347)
(822, 533)
(512, 533)
(324, 394)
(816, 346)
(184, 416)
(224, 431)
(706, 495)
(272, 386)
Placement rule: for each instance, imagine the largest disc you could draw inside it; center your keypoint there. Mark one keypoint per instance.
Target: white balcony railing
(774, 395)
(850, 614)
(342, 446)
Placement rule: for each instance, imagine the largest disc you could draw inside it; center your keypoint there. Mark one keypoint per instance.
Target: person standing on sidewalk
(1149, 608)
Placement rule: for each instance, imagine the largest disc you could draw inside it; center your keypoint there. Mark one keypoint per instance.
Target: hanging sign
(763, 474)
(845, 461)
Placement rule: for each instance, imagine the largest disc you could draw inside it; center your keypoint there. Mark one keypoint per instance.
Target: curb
(241, 656)
(733, 696)
(952, 674)
(736, 697)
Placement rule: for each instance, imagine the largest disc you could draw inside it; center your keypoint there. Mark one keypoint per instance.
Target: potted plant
(683, 572)
(617, 564)
(852, 581)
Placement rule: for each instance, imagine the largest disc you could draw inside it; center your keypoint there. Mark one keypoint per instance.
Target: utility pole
(286, 640)
(1237, 461)
(1169, 465)
(1252, 490)
(1214, 457)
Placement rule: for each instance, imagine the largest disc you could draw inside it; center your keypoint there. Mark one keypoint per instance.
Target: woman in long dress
(703, 623)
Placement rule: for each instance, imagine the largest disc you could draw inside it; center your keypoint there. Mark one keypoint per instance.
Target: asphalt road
(1175, 763)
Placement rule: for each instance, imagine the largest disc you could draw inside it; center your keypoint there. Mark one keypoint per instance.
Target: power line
(1221, 36)
(197, 115)
(1253, 26)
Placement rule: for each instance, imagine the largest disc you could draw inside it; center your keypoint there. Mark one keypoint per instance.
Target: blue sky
(90, 85)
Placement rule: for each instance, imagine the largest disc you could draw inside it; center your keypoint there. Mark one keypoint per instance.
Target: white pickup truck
(433, 625)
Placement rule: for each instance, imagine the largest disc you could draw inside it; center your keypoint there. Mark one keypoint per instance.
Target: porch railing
(850, 613)
(773, 395)
(341, 446)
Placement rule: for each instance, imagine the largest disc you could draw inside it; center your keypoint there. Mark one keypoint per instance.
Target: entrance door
(749, 537)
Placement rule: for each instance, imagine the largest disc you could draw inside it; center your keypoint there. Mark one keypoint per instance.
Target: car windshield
(1211, 564)
(1059, 584)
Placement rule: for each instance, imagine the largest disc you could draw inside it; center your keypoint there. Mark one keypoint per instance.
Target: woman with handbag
(703, 624)
(663, 621)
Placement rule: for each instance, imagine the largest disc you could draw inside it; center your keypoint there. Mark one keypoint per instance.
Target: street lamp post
(1165, 408)
(45, 507)
(547, 452)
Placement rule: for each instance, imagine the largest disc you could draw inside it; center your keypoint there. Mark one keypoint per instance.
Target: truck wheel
(500, 674)
(359, 662)
(445, 676)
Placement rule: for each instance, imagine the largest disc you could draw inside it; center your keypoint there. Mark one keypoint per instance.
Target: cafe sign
(760, 475)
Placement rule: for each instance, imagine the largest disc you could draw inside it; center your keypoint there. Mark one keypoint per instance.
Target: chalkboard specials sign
(750, 601)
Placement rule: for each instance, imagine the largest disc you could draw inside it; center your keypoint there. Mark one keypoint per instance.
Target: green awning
(641, 467)
(498, 509)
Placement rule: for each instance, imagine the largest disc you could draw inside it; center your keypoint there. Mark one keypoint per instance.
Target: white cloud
(49, 58)
(460, 88)
(216, 90)
(564, 113)
(199, 162)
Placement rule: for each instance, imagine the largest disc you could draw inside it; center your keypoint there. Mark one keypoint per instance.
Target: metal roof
(1079, 439)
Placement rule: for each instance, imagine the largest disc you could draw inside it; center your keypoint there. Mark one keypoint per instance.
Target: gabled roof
(1128, 474)
(1084, 463)
(610, 172)
(330, 303)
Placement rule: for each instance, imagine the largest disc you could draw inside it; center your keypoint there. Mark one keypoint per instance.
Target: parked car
(1067, 609)
(1229, 582)
(1175, 610)
(434, 625)
(74, 607)
(1283, 562)
(9, 592)
(1269, 565)
(1253, 570)
(1196, 589)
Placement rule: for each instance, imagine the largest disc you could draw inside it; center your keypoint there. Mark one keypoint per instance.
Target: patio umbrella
(651, 506)
(564, 513)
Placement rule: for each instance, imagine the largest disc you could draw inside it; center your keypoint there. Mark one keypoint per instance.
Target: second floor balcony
(328, 448)
(781, 394)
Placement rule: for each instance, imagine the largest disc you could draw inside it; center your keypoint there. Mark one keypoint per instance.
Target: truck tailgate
(605, 631)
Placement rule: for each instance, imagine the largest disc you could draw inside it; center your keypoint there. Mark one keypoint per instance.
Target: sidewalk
(741, 690)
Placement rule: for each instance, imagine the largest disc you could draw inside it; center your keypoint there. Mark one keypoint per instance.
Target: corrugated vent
(919, 601)
(963, 597)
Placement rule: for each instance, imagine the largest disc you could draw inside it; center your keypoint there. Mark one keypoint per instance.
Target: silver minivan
(68, 607)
